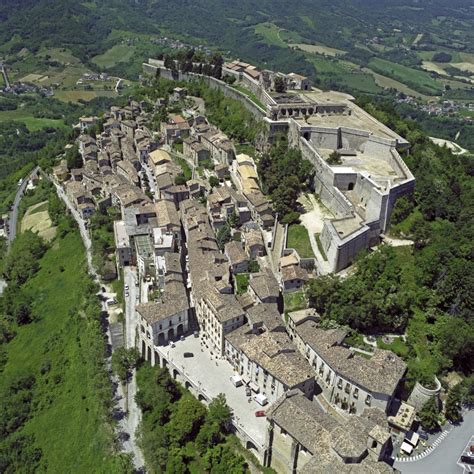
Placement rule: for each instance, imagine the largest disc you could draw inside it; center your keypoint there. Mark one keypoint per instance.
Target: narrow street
(125, 405)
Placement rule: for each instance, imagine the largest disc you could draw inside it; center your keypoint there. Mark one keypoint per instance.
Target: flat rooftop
(379, 169)
(345, 227)
(359, 119)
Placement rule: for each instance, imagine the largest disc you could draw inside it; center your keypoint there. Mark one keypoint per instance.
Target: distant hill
(357, 45)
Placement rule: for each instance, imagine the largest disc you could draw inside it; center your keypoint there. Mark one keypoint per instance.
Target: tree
(186, 420)
(213, 181)
(219, 412)
(402, 209)
(442, 57)
(429, 415)
(224, 235)
(221, 459)
(124, 361)
(180, 179)
(280, 84)
(453, 405)
(334, 158)
(321, 290)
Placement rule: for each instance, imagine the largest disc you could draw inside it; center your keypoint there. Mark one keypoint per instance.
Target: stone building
(302, 438)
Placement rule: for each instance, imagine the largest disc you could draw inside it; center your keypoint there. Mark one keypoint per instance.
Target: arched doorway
(188, 385)
(175, 374)
(251, 447)
(161, 339)
(350, 187)
(143, 349)
(157, 358)
(306, 135)
(171, 334)
(149, 354)
(180, 330)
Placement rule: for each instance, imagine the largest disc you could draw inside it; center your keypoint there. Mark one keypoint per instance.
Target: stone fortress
(361, 188)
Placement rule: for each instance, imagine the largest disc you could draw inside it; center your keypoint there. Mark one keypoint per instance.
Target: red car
(259, 413)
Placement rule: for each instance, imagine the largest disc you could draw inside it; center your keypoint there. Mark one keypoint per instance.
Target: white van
(261, 399)
(236, 380)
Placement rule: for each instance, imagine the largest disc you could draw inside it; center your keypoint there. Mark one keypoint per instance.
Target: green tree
(334, 158)
(213, 181)
(124, 361)
(221, 459)
(186, 419)
(429, 415)
(224, 235)
(453, 405)
(280, 84)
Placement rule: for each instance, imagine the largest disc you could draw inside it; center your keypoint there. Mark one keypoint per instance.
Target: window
(348, 387)
(368, 400)
(356, 393)
(339, 383)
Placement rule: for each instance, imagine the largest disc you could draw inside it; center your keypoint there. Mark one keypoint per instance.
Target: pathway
(125, 407)
(434, 460)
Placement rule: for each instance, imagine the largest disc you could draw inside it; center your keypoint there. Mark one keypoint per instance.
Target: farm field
(33, 123)
(77, 95)
(388, 82)
(318, 49)
(116, 54)
(419, 80)
(38, 221)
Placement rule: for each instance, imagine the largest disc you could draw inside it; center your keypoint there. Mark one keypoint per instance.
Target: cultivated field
(318, 49)
(38, 221)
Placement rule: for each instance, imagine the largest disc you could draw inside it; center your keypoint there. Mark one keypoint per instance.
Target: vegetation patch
(298, 239)
(294, 301)
(116, 54)
(242, 282)
(68, 424)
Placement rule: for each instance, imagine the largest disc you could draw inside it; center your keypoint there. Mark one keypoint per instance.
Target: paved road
(12, 222)
(443, 459)
(125, 407)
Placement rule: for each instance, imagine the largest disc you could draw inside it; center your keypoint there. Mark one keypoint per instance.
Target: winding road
(13, 218)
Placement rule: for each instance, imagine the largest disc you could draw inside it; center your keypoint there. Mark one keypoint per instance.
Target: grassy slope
(68, 424)
(31, 122)
(116, 54)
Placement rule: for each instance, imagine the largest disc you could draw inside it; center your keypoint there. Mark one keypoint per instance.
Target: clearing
(33, 123)
(271, 34)
(298, 239)
(117, 54)
(469, 67)
(38, 221)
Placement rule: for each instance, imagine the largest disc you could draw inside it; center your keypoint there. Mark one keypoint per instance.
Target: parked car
(260, 413)
(127, 294)
(126, 288)
(111, 301)
(248, 392)
(188, 354)
(423, 435)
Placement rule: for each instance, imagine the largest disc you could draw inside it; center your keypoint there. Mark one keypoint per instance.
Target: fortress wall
(342, 180)
(325, 137)
(211, 82)
(353, 139)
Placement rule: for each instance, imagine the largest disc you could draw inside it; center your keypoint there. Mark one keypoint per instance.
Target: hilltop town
(206, 266)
